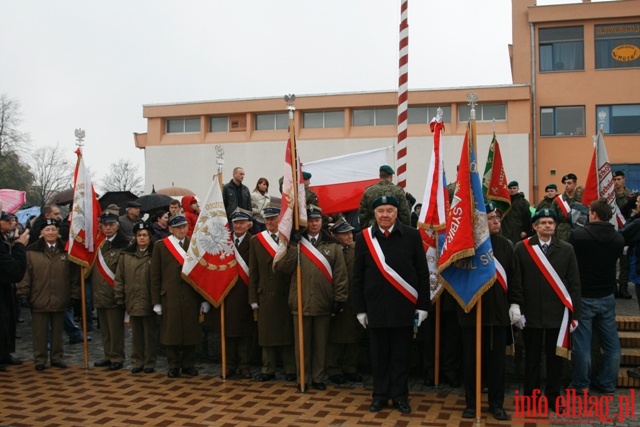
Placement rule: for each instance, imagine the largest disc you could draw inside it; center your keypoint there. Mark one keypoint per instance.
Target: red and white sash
(563, 345)
(563, 205)
(106, 273)
(175, 249)
(389, 273)
(317, 259)
(267, 242)
(243, 271)
(501, 275)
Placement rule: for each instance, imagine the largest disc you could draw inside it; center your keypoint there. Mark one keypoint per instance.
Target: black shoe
(429, 382)
(499, 414)
(192, 372)
(136, 370)
(11, 361)
(469, 413)
(173, 373)
(602, 390)
(115, 366)
(453, 382)
(624, 292)
(402, 407)
(318, 386)
(78, 340)
(60, 365)
(377, 405)
(245, 373)
(290, 377)
(306, 387)
(39, 368)
(354, 378)
(228, 374)
(266, 377)
(102, 364)
(338, 379)
(634, 372)
(3, 368)
(149, 370)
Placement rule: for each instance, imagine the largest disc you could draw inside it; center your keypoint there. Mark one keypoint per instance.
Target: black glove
(337, 308)
(296, 236)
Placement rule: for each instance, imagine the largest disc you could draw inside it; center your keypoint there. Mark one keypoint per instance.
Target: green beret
(387, 169)
(544, 213)
(384, 200)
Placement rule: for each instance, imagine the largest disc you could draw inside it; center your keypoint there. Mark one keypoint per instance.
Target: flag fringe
(468, 307)
(202, 292)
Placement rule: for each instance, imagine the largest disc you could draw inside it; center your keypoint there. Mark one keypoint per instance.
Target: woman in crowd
(159, 223)
(132, 292)
(260, 199)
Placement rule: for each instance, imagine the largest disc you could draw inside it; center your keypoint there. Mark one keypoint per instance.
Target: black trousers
(450, 346)
(390, 349)
(533, 346)
(494, 343)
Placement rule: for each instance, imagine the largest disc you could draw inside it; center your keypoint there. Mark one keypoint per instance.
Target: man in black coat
(391, 297)
(235, 194)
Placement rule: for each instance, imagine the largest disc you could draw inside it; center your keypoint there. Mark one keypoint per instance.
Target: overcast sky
(94, 64)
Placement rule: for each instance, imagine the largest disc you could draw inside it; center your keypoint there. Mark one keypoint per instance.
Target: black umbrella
(153, 202)
(119, 198)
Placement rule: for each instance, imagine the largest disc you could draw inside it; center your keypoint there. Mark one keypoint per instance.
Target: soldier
(551, 191)
(345, 333)
(562, 205)
(516, 224)
(324, 291)
(310, 197)
(268, 293)
(110, 314)
(388, 188)
(622, 196)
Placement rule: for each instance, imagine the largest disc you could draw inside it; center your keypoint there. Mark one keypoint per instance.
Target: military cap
(51, 221)
(113, 207)
(270, 211)
(177, 220)
(141, 225)
(306, 175)
(544, 213)
(384, 200)
(341, 226)
(387, 169)
(108, 218)
(491, 206)
(618, 173)
(133, 204)
(314, 212)
(240, 215)
(551, 186)
(569, 176)
(513, 184)
(6, 216)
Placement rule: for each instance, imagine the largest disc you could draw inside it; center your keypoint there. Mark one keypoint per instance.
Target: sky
(94, 64)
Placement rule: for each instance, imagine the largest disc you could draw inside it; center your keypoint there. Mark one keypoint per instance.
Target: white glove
(422, 316)
(254, 306)
(363, 319)
(573, 326)
(514, 313)
(158, 309)
(520, 322)
(204, 307)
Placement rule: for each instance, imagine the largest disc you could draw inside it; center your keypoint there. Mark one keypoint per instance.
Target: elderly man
(324, 291)
(48, 285)
(110, 314)
(235, 194)
(175, 300)
(129, 219)
(548, 270)
(384, 187)
(500, 309)
(268, 293)
(390, 293)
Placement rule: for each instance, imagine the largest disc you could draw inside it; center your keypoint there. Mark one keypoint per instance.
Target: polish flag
(339, 182)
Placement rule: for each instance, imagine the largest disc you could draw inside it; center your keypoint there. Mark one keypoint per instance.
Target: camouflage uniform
(310, 197)
(564, 226)
(517, 219)
(374, 191)
(545, 203)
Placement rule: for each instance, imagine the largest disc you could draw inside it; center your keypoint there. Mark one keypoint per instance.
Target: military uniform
(563, 228)
(517, 220)
(388, 188)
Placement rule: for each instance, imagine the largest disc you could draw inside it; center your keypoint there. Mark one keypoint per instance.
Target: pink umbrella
(11, 200)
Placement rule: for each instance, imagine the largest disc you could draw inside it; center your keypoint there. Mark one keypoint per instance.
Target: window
(323, 119)
(558, 121)
(617, 45)
(561, 49)
(219, 124)
(484, 112)
(190, 125)
(272, 121)
(375, 117)
(619, 119)
(424, 114)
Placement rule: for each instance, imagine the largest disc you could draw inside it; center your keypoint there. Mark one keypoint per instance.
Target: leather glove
(514, 313)
(363, 319)
(421, 315)
(337, 308)
(296, 236)
(254, 306)
(158, 309)
(204, 307)
(573, 326)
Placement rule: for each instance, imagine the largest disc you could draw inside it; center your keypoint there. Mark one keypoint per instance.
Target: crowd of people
(363, 273)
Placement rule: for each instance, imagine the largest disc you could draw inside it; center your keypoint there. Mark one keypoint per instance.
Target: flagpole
(290, 99)
(223, 335)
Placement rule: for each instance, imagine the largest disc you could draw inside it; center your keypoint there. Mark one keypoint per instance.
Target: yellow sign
(625, 53)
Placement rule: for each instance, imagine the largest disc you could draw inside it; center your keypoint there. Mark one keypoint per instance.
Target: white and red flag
(599, 181)
(210, 265)
(339, 182)
(84, 238)
(292, 178)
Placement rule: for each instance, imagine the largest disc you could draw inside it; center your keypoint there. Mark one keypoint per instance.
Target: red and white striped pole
(403, 103)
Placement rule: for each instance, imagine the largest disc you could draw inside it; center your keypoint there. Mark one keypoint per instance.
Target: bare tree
(14, 173)
(123, 176)
(52, 171)
(11, 138)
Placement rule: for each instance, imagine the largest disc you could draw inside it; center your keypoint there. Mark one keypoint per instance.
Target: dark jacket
(631, 234)
(385, 306)
(13, 264)
(597, 246)
(236, 196)
(517, 220)
(159, 232)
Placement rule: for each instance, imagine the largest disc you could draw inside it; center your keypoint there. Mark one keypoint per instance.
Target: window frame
(431, 113)
(555, 45)
(324, 119)
(211, 118)
(275, 120)
(184, 124)
(554, 125)
(608, 109)
(480, 112)
(377, 111)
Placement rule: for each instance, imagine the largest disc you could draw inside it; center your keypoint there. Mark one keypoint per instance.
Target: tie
(237, 242)
(52, 248)
(181, 243)
(386, 233)
(544, 248)
(345, 249)
(313, 241)
(275, 238)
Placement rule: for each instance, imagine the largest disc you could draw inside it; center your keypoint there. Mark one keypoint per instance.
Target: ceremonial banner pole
(403, 96)
(223, 335)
